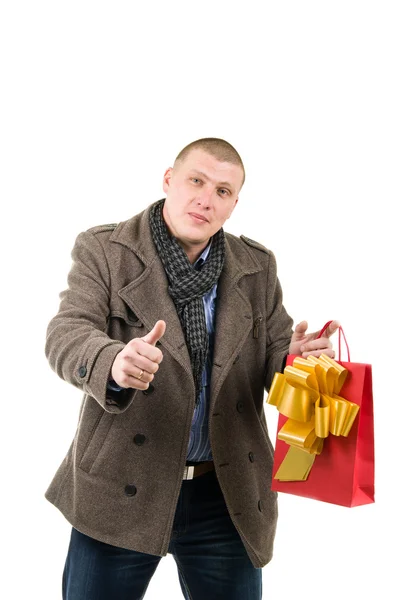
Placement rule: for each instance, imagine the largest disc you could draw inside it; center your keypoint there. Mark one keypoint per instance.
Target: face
(201, 193)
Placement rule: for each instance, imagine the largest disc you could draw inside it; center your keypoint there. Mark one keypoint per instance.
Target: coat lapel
(147, 295)
(234, 318)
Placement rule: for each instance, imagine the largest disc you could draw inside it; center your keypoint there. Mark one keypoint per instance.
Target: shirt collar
(203, 256)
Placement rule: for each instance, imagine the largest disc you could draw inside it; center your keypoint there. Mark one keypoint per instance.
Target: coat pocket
(124, 325)
(127, 315)
(96, 439)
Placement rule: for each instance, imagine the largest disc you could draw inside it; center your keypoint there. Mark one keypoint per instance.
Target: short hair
(220, 149)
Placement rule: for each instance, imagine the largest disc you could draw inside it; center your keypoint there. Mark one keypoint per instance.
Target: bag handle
(341, 333)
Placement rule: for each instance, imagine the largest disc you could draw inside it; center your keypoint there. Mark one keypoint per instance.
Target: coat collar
(147, 295)
(135, 234)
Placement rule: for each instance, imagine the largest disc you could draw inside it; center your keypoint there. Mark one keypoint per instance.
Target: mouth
(198, 218)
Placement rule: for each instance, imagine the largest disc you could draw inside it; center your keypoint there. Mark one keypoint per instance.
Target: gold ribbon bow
(307, 393)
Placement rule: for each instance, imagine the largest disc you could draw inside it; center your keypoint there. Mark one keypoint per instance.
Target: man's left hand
(307, 344)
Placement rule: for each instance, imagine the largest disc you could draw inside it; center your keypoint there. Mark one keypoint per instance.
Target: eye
(195, 180)
(225, 192)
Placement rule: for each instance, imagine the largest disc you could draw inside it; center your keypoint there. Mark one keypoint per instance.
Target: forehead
(214, 169)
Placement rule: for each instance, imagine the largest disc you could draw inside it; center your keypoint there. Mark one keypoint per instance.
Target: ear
(167, 179)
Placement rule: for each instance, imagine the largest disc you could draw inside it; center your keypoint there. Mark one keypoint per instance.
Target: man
(173, 329)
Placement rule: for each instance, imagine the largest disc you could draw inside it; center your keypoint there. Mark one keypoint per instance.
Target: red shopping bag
(343, 473)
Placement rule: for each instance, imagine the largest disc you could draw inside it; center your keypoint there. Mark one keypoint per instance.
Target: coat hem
(105, 539)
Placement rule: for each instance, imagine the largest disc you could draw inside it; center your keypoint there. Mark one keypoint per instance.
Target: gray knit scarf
(187, 286)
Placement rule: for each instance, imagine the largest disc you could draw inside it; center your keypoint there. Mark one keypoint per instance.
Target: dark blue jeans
(211, 559)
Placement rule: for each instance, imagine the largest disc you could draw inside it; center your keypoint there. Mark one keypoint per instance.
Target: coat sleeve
(279, 326)
(77, 345)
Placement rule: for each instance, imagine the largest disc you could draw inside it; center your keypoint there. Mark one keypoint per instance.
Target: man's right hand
(139, 358)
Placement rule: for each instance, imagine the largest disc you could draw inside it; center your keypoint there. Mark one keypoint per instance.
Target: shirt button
(149, 390)
(251, 457)
(82, 371)
(139, 439)
(130, 490)
(240, 406)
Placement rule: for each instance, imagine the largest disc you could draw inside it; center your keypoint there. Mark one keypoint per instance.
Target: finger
(300, 330)
(330, 330)
(141, 375)
(156, 333)
(318, 344)
(139, 348)
(134, 378)
(135, 383)
(131, 363)
(137, 373)
(327, 351)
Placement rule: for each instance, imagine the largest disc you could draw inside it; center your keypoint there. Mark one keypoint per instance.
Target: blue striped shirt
(199, 448)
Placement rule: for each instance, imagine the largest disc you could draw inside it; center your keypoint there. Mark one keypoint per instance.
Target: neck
(192, 251)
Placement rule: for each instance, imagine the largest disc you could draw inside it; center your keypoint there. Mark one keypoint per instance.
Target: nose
(204, 198)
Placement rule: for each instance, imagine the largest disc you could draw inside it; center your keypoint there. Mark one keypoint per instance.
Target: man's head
(201, 190)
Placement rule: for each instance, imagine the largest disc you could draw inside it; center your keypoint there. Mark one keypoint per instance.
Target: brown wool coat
(117, 290)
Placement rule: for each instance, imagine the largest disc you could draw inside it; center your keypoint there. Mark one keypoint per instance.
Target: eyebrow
(221, 183)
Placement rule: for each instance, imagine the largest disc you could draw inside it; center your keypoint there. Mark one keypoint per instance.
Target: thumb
(300, 330)
(156, 333)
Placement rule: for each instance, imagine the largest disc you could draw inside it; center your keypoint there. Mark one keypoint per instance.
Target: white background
(97, 98)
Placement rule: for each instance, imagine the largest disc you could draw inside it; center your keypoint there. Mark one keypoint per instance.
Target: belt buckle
(188, 473)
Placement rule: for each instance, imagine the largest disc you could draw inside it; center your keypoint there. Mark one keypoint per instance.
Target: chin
(194, 233)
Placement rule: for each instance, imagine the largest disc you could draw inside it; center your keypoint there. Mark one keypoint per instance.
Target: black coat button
(251, 457)
(259, 506)
(149, 390)
(240, 406)
(82, 371)
(158, 343)
(139, 439)
(130, 490)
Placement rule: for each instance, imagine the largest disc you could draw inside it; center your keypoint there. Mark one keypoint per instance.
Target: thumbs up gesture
(135, 366)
